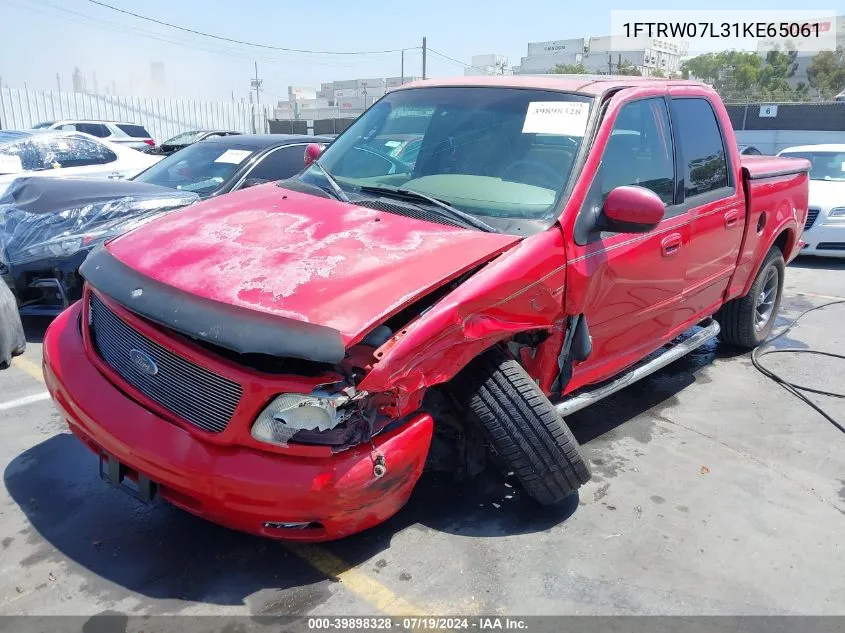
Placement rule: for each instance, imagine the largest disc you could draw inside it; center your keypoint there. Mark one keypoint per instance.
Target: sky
(43, 38)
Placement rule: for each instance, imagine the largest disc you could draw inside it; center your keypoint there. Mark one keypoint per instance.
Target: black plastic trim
(774, 174)
(239, 329)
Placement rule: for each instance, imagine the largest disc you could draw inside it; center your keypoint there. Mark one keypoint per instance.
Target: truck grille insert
(195, 394)
(812, 214)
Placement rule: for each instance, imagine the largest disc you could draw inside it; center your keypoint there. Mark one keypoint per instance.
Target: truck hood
(827, 194)
(303, 257)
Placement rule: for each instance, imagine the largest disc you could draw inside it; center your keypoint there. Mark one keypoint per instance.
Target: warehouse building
(336, 99)
(599, 55)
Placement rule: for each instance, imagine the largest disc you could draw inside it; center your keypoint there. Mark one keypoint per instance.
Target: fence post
(745, 113)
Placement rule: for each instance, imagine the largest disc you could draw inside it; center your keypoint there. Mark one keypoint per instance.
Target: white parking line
(20, 402)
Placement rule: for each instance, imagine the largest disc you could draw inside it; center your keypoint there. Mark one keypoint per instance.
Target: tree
(657, 73)
(625, 67)
(827, 72)
(570, 69)
(727, 71)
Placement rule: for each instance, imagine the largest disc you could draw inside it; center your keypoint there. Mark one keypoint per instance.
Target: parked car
(180, 141)
(749, 150)
(48, 226)
(824, 231)
(219, 165)
(132, 135)
(66, 154)
(284, 360)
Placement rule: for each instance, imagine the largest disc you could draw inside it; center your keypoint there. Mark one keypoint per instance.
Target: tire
(522, 426)
(739, 318)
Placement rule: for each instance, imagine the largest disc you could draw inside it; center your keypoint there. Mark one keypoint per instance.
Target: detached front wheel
(748, 321)
(522, 426)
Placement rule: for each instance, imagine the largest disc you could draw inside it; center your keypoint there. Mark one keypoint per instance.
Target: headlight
(290, 413)
(837, 214)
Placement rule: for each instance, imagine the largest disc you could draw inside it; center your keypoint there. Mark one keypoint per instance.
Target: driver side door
(630, 284)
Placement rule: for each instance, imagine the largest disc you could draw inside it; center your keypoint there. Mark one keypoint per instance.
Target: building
(490, 64)
(599, 55)
(158, 81)
(336, 99)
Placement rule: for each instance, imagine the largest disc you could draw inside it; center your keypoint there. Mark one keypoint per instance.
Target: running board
(576, 403)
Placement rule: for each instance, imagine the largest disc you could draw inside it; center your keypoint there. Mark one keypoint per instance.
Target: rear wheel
(522, 426)
(748, 321)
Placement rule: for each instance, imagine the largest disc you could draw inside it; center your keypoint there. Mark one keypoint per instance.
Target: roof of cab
(586, 84)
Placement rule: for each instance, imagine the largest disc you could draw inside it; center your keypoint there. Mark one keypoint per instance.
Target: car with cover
(286, 360)
(48, 227)
(66, 155)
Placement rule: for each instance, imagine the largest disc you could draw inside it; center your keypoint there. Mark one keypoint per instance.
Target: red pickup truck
(285, 360)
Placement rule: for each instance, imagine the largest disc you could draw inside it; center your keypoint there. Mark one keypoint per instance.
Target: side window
(283, 163)
(64, 152)
(67, 127)
(639, 151)
(94, 129)
(705, 167)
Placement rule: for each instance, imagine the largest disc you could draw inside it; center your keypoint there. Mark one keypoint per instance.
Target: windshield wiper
(444, 208)
(338, 192)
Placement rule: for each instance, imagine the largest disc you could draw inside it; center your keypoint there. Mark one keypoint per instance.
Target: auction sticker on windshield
(233, 156)
(556, 117)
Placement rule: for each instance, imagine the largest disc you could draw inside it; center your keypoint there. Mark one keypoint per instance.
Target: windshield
(185, 138)
(201, 167)
(823, 165)
(500, 154)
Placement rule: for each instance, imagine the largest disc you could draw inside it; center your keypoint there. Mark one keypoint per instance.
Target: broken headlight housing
(308, 419)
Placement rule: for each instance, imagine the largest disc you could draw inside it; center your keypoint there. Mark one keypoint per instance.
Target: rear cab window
(704, 163)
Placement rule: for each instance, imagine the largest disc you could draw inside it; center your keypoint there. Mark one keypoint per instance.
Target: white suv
(128, 134)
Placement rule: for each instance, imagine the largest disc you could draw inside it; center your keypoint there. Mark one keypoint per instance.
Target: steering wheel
(545, 173)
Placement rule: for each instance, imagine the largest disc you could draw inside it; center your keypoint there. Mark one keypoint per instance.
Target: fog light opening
(285, 525)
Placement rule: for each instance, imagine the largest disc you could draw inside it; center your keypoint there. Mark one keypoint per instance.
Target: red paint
(634, 205)
(312, 152)
(303, 257)
(235, 486)
(350, 268)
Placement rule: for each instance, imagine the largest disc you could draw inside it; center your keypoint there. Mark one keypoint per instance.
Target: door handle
(731, 219)
(670, 245)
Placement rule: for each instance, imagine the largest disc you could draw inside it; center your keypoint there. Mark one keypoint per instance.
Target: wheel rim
(766, 300)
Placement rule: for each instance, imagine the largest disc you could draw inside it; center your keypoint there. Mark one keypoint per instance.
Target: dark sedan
(223, 164)
(181, 141)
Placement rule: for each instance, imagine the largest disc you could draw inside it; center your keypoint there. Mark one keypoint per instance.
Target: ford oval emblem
(143, 362)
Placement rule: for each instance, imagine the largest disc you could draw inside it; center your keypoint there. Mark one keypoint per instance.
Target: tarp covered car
(48, 226)
(12, 341)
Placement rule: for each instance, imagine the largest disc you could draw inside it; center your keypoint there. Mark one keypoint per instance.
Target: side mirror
(632, 209)
(252, 182)
(312, 152)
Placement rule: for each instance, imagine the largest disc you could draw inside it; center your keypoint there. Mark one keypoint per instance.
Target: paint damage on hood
(303, 257)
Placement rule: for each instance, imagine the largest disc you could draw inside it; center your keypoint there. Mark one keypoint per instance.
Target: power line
(234, 41)
(451, 59)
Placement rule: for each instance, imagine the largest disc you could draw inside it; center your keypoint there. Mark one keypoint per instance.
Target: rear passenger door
(714, 200)
(277, 164)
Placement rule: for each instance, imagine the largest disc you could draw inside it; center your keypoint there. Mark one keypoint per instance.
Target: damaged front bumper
(286, 496)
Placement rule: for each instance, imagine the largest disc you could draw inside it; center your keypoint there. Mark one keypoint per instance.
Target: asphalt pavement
(714, 492)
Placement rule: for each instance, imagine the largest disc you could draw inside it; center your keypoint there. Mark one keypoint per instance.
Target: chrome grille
(812, 214)
(195, 394)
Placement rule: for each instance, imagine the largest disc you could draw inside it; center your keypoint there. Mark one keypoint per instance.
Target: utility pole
(58, 82)
(256, 83)
(423, 55)
(402, 79)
